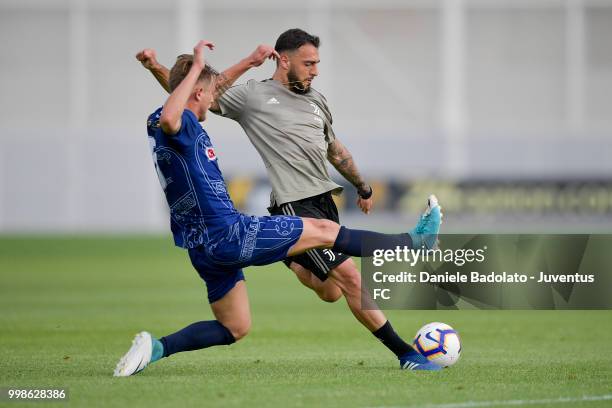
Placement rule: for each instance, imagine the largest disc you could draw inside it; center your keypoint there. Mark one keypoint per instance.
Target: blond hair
(181, 68)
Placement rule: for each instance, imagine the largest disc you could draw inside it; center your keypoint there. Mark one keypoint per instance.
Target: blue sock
(197, 336)
(363, 243)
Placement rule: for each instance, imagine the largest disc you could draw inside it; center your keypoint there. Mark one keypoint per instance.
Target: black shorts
(322, 206)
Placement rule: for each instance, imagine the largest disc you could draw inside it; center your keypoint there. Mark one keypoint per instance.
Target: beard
(296, 85)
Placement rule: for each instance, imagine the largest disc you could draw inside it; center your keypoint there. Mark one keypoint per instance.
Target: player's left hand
(365, 204)
(198, 51)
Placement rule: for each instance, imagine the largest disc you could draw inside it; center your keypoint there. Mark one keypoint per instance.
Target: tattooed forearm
(339, 156)
(222, 85)
(226, 79)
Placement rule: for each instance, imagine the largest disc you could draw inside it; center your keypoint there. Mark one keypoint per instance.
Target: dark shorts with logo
(318, 261)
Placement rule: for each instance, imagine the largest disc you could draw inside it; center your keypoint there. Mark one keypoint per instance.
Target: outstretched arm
(170, 120)
(226, 79)
(340, 157)
(230, 75)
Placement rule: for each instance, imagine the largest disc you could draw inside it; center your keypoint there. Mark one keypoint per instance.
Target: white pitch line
(480, 404)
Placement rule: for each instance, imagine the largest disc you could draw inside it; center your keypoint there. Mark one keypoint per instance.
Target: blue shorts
(250, 241)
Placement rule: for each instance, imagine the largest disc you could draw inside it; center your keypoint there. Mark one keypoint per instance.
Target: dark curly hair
(293, 39)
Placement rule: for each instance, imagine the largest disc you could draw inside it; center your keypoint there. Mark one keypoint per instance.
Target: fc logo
(210, 154)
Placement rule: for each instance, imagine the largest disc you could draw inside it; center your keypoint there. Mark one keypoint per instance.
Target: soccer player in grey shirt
(290, 125)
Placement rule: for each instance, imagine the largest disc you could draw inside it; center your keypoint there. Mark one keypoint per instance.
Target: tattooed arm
(340, 157)
(224, 80)
(230, 75)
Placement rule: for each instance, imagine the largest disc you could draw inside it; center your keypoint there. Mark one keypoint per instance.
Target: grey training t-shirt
(291, 132)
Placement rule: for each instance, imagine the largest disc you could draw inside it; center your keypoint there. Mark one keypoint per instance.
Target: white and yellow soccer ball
(439, 342)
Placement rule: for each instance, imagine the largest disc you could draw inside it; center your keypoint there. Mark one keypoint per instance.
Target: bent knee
(330, 295)
(327, 230)
(239, 329)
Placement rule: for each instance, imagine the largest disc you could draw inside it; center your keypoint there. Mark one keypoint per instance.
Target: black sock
(390, 338)
(349, 241)
(197, 336)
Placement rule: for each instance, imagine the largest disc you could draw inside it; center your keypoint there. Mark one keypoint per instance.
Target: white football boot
(137, 357)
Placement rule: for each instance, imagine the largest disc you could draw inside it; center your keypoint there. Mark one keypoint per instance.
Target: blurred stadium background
(502, 107)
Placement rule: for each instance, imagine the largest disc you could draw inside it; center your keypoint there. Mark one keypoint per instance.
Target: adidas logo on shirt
(273, 101)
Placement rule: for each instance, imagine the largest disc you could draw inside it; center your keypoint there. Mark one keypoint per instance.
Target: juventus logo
(330, 254)
(316, 109)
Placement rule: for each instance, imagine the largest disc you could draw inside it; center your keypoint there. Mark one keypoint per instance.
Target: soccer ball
(439, 342)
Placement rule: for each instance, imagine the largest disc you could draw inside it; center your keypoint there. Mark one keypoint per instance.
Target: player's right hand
(261, 54)
(147, 58)
(365, 204)
(198, 51)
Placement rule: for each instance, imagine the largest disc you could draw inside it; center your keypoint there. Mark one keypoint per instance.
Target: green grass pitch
(70, 308)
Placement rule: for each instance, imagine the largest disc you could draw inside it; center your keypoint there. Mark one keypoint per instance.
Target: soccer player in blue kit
(220, 240)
